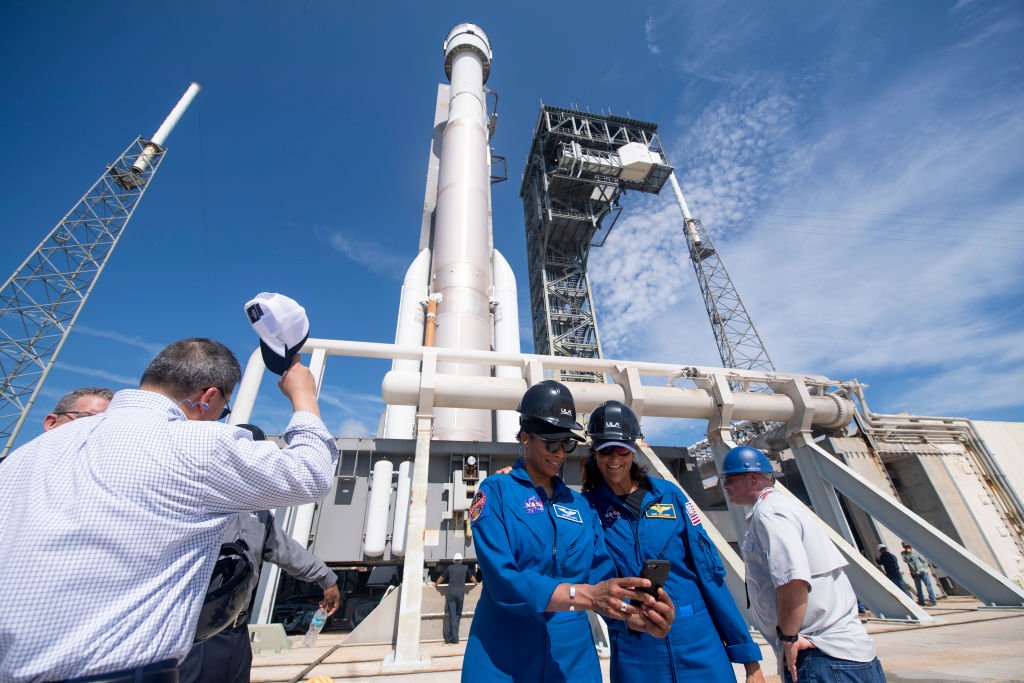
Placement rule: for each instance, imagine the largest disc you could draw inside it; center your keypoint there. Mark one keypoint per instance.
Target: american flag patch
(691, 512)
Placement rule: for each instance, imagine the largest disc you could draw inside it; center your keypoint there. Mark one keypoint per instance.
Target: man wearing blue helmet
(800, 597)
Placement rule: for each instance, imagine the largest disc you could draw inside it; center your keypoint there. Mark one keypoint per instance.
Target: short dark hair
(69, 399)
(191, 365)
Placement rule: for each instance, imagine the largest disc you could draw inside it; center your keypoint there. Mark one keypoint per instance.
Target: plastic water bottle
(315, 626)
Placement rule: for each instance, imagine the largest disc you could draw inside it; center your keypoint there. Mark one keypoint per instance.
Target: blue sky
(858, 164)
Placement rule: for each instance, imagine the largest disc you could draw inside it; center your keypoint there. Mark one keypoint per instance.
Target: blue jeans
(814, 666)
(924, 578)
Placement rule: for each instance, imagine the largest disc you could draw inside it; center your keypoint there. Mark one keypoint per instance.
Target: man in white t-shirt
(801, 599)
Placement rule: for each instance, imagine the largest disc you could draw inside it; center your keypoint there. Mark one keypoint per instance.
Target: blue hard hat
(745, 459)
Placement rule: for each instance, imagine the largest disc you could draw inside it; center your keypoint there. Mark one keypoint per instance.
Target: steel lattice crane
(40, 302)
(739, 344)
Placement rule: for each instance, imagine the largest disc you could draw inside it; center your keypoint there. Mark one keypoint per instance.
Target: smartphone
(655, 571)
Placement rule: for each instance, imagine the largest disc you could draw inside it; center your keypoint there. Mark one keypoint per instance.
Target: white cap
(282, 326)
(458, 557)
(881, 546)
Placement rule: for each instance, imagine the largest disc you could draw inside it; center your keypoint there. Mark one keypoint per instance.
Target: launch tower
(578, 167)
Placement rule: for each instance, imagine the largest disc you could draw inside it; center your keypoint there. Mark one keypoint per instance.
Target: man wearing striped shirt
(110, 525)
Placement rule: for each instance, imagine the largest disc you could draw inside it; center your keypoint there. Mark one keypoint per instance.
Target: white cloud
(374, 257)
(876, 233)
(353, 428)
(130, 340)
(93, 372)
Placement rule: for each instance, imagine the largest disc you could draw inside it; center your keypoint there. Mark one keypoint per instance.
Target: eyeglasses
(554, 445)
(227, 409)
(614, 450)
(75, 414)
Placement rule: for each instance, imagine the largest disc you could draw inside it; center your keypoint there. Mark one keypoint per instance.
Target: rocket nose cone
(467, 37)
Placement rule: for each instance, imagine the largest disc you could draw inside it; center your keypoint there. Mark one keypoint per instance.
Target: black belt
(161, 672)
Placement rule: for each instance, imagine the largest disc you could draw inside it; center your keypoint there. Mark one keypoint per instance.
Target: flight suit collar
(559, 490)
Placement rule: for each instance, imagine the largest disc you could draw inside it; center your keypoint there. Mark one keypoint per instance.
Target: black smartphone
(655, 571)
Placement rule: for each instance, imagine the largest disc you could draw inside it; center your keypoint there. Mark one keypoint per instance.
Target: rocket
(459, 292)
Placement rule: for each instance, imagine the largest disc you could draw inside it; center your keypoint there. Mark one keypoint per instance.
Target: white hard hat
(458, 557)
(882, 546)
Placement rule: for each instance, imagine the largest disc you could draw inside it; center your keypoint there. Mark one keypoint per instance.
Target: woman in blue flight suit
(544, 563)
(645, 518)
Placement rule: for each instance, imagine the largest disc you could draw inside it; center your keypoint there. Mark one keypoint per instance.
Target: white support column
(406, 654)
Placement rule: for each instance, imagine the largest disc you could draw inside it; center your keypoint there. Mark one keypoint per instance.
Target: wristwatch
(572, 597)
(784, 638)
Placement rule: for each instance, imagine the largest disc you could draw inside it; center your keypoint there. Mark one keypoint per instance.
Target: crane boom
(40, 302)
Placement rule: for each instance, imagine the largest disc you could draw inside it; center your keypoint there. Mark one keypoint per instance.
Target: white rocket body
(472, 283)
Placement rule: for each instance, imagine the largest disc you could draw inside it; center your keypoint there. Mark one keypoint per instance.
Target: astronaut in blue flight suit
(544, 563)
(645, 518)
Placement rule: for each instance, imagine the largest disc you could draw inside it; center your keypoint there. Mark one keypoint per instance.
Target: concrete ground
(967, 644)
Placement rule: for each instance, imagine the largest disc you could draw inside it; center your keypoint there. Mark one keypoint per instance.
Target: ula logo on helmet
(612, 424)
(565, 411)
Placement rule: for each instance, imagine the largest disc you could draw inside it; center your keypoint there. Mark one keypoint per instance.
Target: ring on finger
(623, 607)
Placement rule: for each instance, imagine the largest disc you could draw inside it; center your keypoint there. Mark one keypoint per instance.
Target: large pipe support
(160, 136)
(453, 391)
(460, 271)
(506, 339)
(400, 421)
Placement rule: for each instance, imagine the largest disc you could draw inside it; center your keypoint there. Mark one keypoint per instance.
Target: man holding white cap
(125, 511)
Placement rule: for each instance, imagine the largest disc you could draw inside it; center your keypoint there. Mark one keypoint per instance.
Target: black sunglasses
(554, 445)
(75, 414)
(227, 409)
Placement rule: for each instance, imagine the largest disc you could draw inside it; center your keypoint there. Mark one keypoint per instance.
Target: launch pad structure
(457, 376)
(400, 501)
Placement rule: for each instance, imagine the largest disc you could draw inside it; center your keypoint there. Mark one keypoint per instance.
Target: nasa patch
(567, 513)
(533, 505)
(476, 509)
(691, 512)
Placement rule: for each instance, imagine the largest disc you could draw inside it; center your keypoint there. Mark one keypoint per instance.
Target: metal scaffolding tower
(40, 302)
(578, 167)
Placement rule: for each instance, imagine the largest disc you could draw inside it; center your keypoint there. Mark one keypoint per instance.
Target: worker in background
(651, 519)
(800, 598)
(226, 657)
(891, 566)
(919, 572)
(84, 402)
(544, 562)
(125, 510)
(455, 576)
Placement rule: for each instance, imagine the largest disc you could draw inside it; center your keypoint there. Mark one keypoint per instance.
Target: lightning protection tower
(42, 299)
(578, 167)
(739, 344)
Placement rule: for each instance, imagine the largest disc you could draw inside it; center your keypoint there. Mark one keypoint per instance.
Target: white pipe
(400, 421)
(460, 271)
(377, 511)
(160, 136)
(493, 392)
(506, 338)
(401, 508)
